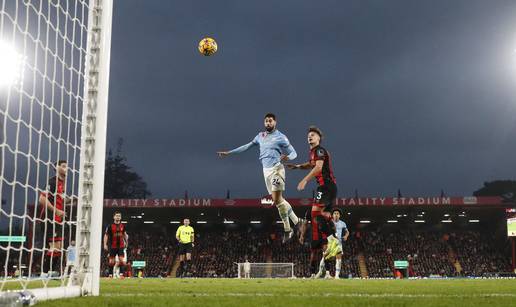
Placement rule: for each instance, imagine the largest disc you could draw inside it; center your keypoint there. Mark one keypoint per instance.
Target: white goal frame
(86, 278)
(265, 265)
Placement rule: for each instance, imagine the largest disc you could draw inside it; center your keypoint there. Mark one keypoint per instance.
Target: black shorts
(120, 252)
(185, 248)
(326, 195)
(54, 231)
(318, 244)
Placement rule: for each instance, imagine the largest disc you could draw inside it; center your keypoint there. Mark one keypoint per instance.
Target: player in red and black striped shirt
(52, 214)
(115, 242)
(326, 193)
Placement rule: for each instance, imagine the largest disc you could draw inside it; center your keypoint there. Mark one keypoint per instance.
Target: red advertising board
(297, 202)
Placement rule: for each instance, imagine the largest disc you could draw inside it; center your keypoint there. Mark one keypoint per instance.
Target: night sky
(411, 95)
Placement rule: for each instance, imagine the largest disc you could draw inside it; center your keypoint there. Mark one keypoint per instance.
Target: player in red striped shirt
(326, 193)
(52, 214)
(115, 242)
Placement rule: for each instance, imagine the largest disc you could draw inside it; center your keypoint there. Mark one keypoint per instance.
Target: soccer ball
(207, 46)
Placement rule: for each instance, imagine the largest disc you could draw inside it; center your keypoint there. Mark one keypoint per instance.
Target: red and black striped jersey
(54, 195)
(116, 235)
(326, 176)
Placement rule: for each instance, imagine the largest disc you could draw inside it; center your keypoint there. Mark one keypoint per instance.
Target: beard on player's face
(270, 124)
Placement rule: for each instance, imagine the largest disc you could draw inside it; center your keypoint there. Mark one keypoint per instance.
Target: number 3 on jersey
(318, 196)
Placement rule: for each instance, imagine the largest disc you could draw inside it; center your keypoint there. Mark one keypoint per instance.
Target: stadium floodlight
(201, 222)
(419, 221)
(392, 221)
(365, 222)
(57, 111)
(446, 215)
(446, 221)
(279, 222)
(11, 64)
(174, 222)
(123, 222)
(228, 222)
(256, 222)
(148, 222)
(474, 221)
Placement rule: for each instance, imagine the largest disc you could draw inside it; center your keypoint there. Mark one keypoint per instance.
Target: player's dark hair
(314, 129)
(117, 212)
(270, 115)
(338, 210)
(58, 163)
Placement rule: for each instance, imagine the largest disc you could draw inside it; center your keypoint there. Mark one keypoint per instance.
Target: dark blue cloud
(412, 95)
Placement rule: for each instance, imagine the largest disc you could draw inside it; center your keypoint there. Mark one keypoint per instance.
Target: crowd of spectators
(480, 253)
(426, 253)
(432, 253)
(216, 253)
(429, 253)
(155, 248)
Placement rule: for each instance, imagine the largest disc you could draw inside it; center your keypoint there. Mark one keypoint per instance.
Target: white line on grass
(364, 295)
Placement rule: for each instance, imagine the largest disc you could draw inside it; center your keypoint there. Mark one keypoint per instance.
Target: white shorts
(274, 178)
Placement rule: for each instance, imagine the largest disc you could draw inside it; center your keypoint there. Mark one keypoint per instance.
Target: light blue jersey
(340, 226)
(272, 146)
(70, 254)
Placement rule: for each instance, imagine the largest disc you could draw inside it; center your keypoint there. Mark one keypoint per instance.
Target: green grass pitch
(297, 292)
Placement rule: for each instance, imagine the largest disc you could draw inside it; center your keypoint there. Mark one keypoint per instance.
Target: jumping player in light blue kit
(274, 148)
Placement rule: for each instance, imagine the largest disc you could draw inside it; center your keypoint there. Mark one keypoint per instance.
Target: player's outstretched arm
(306, 165)
(240, 149)
(316, 170)
(223, 154)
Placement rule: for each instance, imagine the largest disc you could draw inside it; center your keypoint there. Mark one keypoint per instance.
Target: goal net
(265, 270)
(54, 73)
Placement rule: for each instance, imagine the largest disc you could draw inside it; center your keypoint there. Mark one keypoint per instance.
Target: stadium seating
(429, 253)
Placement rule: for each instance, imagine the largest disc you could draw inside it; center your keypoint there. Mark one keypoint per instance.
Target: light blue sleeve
(344, 226)
(245, 147)
(288, 148)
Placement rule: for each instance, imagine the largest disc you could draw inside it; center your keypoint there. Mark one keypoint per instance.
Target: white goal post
(54, 82)
(265, 270)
